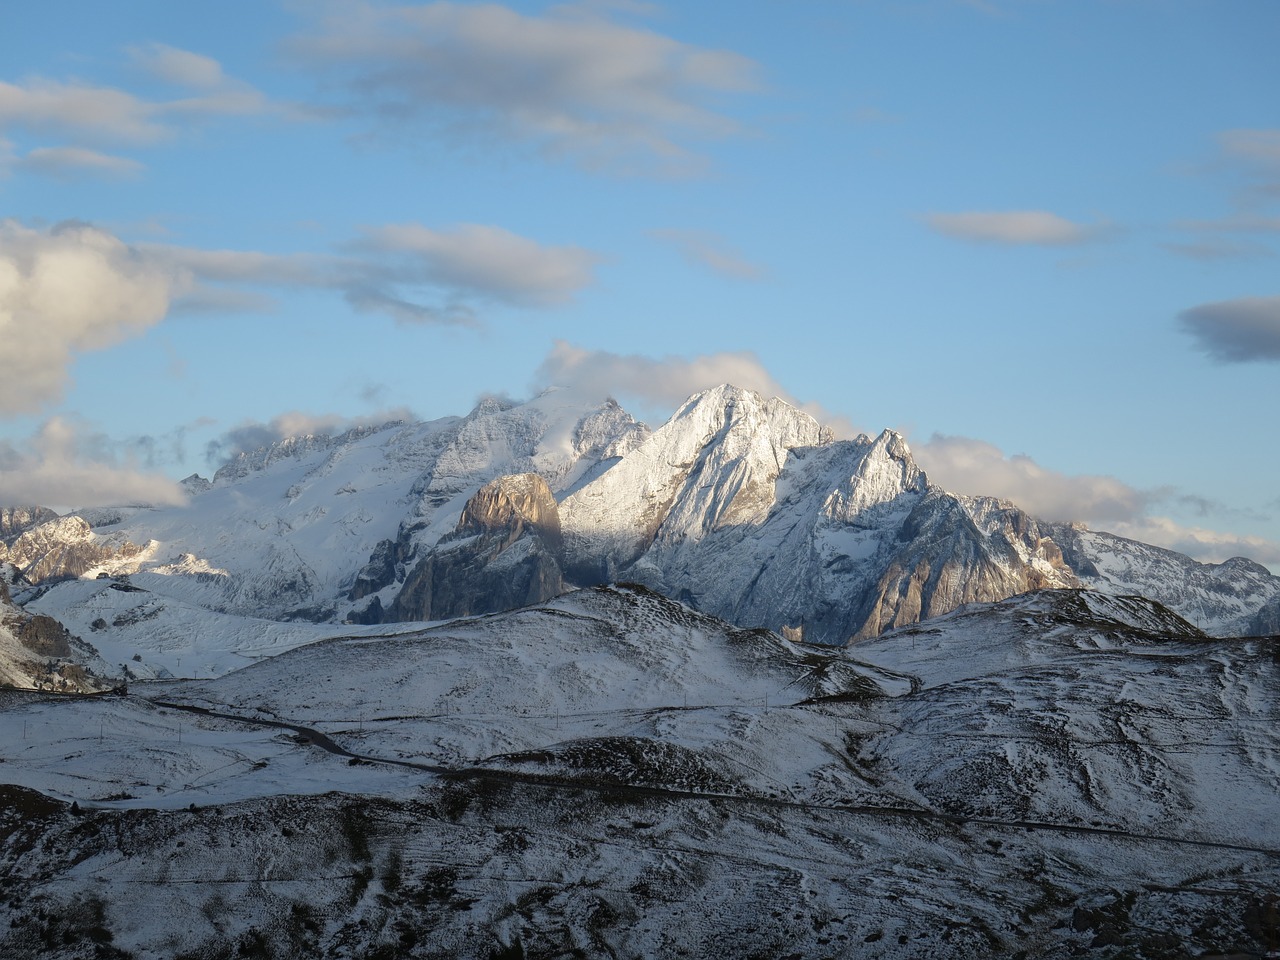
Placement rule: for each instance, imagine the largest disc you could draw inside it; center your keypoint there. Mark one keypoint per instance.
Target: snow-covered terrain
(1060, 774)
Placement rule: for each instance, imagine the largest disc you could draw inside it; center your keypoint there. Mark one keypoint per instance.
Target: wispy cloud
(87, 116)
(1256, 152)
(571, 81)
(485, 261)
(412, 273)
(1014, 227)
(1236, 331)
(66, 465)
(707, 249)
(67, 163)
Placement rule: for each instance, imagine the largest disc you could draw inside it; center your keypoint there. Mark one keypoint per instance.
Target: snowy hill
(1061, 774)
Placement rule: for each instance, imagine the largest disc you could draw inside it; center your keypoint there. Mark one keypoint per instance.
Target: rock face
(45, 637)
(504, 554)
(63, 547)
(14, 520)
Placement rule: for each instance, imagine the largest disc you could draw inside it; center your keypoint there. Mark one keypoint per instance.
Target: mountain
(741, 506)
(749, 509)
(1061, 774)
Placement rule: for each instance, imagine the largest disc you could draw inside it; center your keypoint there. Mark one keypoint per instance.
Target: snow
(641, 779)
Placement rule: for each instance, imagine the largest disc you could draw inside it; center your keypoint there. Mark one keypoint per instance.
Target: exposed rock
(379, 572)
(64, 547)
(503, 554)
(45, 636)
(509, 506)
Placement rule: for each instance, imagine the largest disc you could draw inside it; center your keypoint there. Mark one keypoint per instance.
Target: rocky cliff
(505, 553)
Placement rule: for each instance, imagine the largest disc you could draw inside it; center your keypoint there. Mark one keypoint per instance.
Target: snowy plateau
(542, 682)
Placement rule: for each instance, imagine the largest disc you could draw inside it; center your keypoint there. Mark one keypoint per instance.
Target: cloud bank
(64, 465)
(966, 465)
(571, 81)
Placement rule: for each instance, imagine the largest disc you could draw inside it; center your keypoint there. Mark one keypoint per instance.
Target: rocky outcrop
(510, 506)
(15, 520)
(944, 560)
(45, 636)
(505, 553)
(64, 547)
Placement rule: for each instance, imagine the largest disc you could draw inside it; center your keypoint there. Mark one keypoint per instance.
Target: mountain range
(739, 506)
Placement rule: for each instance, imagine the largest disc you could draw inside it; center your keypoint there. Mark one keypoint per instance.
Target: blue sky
(1039, 237)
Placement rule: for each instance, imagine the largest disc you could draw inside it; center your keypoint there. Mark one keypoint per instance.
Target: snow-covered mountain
(748, 509)
(741, 506)
(1061, 774)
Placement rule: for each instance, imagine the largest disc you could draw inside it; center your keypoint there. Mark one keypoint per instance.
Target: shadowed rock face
(45, 636)
(504, 553)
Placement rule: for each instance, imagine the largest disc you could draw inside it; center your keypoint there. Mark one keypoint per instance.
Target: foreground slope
(1062, 774)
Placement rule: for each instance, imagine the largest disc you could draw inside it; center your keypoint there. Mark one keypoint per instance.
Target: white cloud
(487, 261)
(664, 383)
(182, 68)
(571, 80)
(968, 466)
(709, 250)
(69, 162)
(1236, 331)
(64, 466)
(70, 289)
(1207, 546)
(1013, 227)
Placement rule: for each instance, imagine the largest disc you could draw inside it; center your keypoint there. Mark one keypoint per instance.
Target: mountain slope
(1063, 774)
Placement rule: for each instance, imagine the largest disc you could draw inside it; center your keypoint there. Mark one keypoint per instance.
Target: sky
(1037, 237)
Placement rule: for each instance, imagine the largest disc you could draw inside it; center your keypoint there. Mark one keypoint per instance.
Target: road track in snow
(310, 736)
